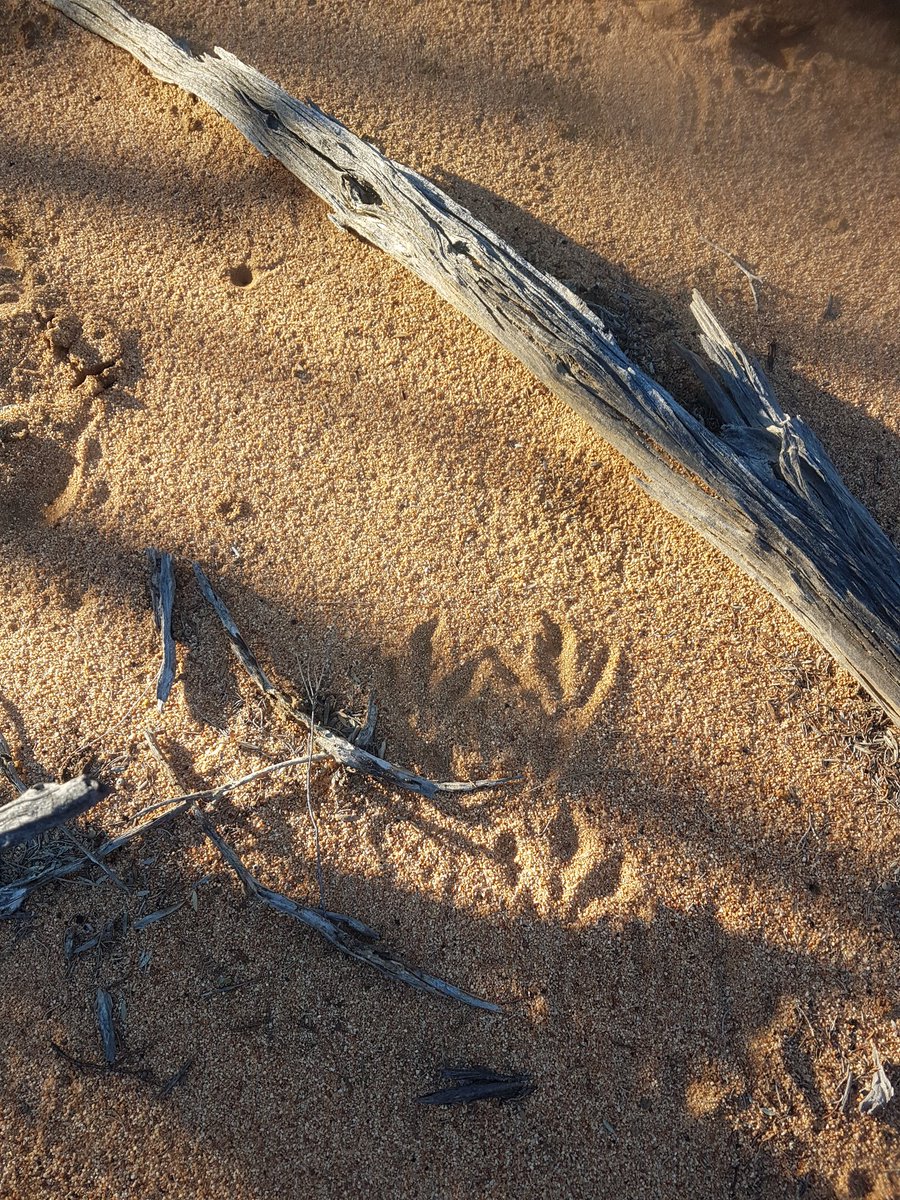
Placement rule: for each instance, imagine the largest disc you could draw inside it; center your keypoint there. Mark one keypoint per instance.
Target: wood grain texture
(45, 806)
(162, 597)
(771, 500)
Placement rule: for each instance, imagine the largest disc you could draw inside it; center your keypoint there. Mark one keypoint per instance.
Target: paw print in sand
(567, 678)
(568, 872)
(524, 709)
(511, 711)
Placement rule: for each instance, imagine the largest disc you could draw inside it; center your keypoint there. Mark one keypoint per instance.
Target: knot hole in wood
(359, 193)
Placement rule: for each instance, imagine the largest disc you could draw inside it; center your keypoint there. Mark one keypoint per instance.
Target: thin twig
(153, 747)
(752, 278)
(312, 693)
(354, 758)
(91, 1068)
(91, 857)
(844, 1102)
(8, 767)
(344, 933)
(222, 789)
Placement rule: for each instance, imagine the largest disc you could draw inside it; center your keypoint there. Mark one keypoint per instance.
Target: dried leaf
(881, 1090)
(11, 899)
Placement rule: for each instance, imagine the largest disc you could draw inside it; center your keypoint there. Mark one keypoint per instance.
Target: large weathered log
(772, 500)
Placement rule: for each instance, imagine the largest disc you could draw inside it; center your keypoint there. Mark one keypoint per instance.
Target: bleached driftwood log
(772, 501)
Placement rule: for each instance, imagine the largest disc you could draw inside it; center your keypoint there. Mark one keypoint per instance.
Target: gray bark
(771, 501)
(45, 806)
(162, 597)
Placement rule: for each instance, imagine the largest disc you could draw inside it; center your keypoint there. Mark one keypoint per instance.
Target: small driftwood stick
(162, 597)
(347, 934)
(771, 500)
(45, 806)
(344, 752)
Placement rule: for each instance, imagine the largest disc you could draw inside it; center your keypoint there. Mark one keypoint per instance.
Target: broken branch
(346, 934)
(45, 806)
(162, 597)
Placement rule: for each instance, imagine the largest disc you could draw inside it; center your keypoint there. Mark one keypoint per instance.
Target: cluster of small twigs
(875, 747)
(53, 805)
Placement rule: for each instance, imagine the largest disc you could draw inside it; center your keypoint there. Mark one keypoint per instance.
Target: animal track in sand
(93, 355)
(543, 695)
(569, 871)
(525, 709)
(569, 680)
(57, 372)
(780, 43)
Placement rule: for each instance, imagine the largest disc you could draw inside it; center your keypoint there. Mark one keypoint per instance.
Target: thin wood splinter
(347, 934)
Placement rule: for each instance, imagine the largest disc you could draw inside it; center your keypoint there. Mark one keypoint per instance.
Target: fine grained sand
(690, 904)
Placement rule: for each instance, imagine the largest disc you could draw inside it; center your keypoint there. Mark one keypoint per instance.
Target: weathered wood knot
(358, 193)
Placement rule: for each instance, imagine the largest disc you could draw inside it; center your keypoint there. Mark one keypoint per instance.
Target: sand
(689, 906)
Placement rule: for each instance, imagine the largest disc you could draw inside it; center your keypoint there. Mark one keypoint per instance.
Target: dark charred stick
(478, 1083)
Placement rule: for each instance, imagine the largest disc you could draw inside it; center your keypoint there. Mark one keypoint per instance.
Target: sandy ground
(690, 905)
